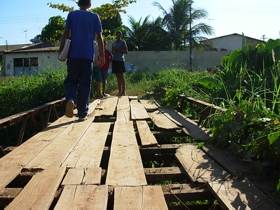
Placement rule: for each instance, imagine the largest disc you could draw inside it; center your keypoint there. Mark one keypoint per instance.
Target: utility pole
(7, 45)
(5, 42)
(190, 37)
(263, 38)
(25, 31)
(209, 20)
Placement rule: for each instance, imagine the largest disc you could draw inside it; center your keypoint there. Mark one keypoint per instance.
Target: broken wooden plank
(198, 166)
(74, 176)
(84, 197)
(142, 197)
(109, 106)
(87, 153)
(161, 121)
(193, 129)
(8, 174)
(92, 176)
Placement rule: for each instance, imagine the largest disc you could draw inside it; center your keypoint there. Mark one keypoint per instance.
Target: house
(7, 47)
(231, 42)
(30, 59)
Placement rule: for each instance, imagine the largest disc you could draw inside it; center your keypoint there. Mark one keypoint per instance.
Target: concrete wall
(169, 59)
(149, 60)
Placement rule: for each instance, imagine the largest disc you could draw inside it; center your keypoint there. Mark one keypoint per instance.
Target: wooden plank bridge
(130, 154)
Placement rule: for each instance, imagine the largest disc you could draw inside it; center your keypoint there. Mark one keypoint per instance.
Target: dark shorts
(96, 75)
(118, 67)
(104, 75)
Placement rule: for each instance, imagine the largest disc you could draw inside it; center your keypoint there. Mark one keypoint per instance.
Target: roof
(40, 47)
(12, 47)
(236, 34)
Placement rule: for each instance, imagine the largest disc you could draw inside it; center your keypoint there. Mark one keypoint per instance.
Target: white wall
(179, 59)
(228, 42)
(149, 60)
(46, 60)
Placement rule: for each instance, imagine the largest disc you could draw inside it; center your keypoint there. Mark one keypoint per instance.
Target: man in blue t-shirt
(81, 28)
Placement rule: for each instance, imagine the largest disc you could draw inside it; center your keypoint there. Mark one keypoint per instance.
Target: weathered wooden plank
(240, 194)
(40, 190)
(74, 176)
(193, 129)
(138, 198)
(199, 167)
(146, 137)
(84, 197)
(108, 107)
(9, 193)
(123, 109)
(92, 176)
(21, 155)
(149, 105)
(8, 174)
(124, 100)
(88, 151)
(162, 121)
(56, 152)
(138, 111)
(125, 167)
(123, 112)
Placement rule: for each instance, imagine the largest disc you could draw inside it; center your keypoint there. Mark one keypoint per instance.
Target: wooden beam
(22, 130)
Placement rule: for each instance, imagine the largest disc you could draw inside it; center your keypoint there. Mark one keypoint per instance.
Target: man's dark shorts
(118, 67)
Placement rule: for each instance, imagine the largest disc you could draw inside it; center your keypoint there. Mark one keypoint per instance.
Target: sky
(21, 21)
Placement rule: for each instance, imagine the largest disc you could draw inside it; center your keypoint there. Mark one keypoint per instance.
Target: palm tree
(178, 20)
(157, 39)
(147, 35)
(137, 34)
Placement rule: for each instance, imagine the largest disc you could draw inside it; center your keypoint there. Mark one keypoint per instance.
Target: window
(27, 66)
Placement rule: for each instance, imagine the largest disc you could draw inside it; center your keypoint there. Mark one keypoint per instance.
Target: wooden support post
(2, 152)
(31, 115)
(47, 117)
(42, 119)
(22, 130)
(54, 112)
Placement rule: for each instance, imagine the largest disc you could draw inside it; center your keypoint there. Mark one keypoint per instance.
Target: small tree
(53, 31)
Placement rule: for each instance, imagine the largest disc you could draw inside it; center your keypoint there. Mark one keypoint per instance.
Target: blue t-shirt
(83, 26)
(118, 56)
